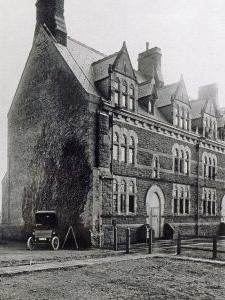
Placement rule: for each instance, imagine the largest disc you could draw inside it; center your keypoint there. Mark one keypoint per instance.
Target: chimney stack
(51, 14)
(149, 64)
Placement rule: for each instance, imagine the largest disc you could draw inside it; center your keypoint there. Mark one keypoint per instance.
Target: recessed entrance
(223, 210)
(155, 210)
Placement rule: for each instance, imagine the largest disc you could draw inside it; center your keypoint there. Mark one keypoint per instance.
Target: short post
(115, 244)
(150, 241)
(178, 244)
(214, 247)
(127, 240)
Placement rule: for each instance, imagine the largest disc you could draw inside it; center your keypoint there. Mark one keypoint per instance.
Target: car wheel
(55, 243)
(30, 243)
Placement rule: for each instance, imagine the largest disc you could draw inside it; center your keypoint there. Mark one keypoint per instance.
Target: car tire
(55, 243)
(31, 243)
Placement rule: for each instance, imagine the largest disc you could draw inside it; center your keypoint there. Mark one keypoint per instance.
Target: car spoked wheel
(55, 243)
(30, 243)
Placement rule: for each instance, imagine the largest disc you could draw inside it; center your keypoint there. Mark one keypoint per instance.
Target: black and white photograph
(112, 149)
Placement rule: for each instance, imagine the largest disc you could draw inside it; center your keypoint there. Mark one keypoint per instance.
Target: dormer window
(124, 148)
(150, 107)
(124, 94)
(187, 120)
(131, 98)
(117, 91)
(125, 68)
(177, 118)
(182, 118)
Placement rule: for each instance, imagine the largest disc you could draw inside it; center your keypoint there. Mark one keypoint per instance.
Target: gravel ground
(14, 254)
(156, 278)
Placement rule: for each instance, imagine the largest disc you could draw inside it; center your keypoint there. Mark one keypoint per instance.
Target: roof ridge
(86, 46)
(104, 58)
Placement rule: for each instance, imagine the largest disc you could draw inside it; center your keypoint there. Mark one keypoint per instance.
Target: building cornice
(162, 128)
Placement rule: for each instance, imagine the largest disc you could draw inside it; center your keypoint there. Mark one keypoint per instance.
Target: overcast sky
(191, 34)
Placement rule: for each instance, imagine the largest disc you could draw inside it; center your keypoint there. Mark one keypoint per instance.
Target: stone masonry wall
(150, 143)
(48, 96)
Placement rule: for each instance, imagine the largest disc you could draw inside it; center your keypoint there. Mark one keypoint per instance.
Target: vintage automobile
(45, 230)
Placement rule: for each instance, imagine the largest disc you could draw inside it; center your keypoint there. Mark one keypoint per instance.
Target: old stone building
(105, 144)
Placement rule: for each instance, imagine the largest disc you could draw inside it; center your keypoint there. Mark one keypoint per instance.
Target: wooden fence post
(150, 241)
(178, 244)
(115, 247)
(214, 256)
(127, 240)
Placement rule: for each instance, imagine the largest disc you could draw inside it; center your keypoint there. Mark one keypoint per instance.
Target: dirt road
(155, 278)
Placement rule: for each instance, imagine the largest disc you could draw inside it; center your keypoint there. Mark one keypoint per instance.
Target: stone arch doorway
(223, 210)
(155, 202)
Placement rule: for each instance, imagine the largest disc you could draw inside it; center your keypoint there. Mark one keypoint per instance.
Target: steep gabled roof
(100, 67)
(166, 93)
(196, 108)
(123, 56)
(146, 89)
(79, 58)
(175, 90)
(202, 105)
(157, 115)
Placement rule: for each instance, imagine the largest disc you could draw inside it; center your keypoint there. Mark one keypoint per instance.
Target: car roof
(45, 212)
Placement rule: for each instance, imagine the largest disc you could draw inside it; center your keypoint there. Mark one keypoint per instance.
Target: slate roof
(80, 57)
(166, 93)
(145, 89)
(196, 108)
(140, 77)
(100, 67)
(157, 115)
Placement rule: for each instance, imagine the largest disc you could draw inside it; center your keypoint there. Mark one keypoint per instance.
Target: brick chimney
(149, 64)
(51, 14)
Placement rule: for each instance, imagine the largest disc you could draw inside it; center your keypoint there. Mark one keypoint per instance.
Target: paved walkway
(10, 271)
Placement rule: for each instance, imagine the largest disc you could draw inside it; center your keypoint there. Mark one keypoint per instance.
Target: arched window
(177, 116)
(181, 204)
(182, 118)
(205, 166)
(131, 150)
(175, 201)
(211, 125)
(115, 196)
(186, 164)
(209, 202)
(210, 168)
(176, 161)
(116, 146)
(155, 167)
(214, 204)
(131, 98)
(150, 107)
(124, 148)
(117, 91)
(124, 94)
(187, 120)
(123, 196)
(125, 68)
(209, 208)
(213, 168)
(187, 202)
(214, 130)
(131, 205)
(182, 162)
(204, 202)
